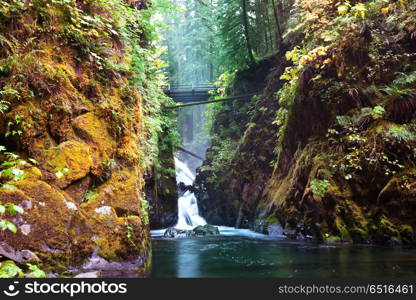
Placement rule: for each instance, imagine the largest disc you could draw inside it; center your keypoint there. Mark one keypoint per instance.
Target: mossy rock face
(122, 192)
(72, 155)
(95, 132)
(385, 231)
(333, 239)
(359, 235)
(33, 173)
(63, 233)
(401, 186)
(43, 226)
(343, 230)
(407, 234)
(63, 116)
(39, 144)
(78, 189)
(128, 149)
(100, 232)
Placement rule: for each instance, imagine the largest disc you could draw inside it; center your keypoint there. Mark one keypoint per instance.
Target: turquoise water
(246, 254)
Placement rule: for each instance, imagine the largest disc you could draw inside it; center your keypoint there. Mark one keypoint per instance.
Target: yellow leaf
(94, 32)
(343, 10)
(385, 10)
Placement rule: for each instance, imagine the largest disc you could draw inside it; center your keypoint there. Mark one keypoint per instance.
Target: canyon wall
(327, 150)
(77, 103)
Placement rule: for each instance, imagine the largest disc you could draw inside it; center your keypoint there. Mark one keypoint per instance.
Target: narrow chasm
(200, 138)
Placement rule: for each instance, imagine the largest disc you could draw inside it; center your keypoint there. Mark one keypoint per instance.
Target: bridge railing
(189, 88)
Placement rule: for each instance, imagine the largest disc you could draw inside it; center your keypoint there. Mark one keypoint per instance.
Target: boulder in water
(200, 230)
(173, 232)
(206, 230)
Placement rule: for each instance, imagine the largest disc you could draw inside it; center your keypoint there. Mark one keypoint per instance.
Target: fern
(4, 106)
(401, 134)
(402, 86)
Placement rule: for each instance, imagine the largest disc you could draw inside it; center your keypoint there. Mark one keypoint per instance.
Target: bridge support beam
(242, 97)
(190, 153)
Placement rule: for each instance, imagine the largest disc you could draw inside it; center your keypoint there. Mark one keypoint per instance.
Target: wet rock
(72, 206)
(9, 252)
(18, 256)
(46, 220)
(119, 192)
(96, 274)
(333, 239)
(97, 264)
(28, 255)
(197, 231)
(206, 230)
(290, 233)
(275, 230)
(25, 229)
(174, 232)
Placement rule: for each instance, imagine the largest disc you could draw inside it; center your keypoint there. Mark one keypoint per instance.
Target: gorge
(289, 152)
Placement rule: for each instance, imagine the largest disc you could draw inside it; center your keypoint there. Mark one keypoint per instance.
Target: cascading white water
(188, 213)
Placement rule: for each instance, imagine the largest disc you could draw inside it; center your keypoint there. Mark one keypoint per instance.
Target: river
(241, 253)
(244, 253)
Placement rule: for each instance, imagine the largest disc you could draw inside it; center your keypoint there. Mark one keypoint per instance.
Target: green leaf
(18, 174)
(8, 269)
(12, 209)
(36, 272)
(2, 209)
(9, 187)
(11, 227)
(33, 161)
(6, 173)
(3, 225)
(8, 164)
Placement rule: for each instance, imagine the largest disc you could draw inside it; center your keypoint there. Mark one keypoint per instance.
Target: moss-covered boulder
(43, 226)
(75, 114)
(91, 128)
(122, 192)
(69, 161)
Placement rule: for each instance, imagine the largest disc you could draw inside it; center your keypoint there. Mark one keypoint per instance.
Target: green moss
(333, 239)
(108, 248)
(343, 230)
(385, 231)
(359, 235)
(407, 234)
(73, 155)
(273, 220)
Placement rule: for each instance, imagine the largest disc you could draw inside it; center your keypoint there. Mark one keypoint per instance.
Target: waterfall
(188, 213)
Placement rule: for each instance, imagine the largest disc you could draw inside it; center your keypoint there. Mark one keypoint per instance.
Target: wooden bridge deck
(189, 95)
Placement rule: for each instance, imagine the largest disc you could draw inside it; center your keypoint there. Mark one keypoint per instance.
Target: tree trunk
(276, 17)
(247, 33)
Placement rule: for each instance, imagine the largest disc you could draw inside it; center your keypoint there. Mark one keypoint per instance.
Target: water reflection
(187, 261)
(237, 256)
